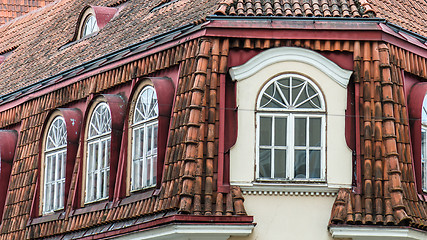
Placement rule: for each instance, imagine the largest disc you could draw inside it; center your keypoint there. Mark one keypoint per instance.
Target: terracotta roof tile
(10, 9)
(299, 8)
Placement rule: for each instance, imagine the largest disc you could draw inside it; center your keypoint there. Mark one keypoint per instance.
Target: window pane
(147, 183)
(154, 169)
(423, 144)
(315, 131)
(297, 87)
(284, 87)
(300, 131)
(280, 131)
(265, 131)
(300, 164)
(314, 164)
(279, 163)
(264, 163)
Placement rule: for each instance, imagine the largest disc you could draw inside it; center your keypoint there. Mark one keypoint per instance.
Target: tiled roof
(189, 183)
(290, 8)
(411, 15)
(38, 41)
(387, 194)
(39, 47)
(10, 9)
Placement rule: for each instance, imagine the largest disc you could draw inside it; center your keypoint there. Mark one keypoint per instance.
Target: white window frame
(53, 200)
(102, 140)
(290, 115)
(147, 159)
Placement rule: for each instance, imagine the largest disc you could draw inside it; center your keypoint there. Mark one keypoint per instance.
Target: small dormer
(92, 19)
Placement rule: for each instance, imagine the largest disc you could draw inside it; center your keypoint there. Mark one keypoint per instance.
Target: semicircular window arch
(291, 127)
(291, 92)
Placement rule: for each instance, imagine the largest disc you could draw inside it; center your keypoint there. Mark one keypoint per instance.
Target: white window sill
(289, 188)
(377, 233)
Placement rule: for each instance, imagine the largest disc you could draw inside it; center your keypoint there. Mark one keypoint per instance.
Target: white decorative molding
(283, 54)
(190, 232)
(296, 189)
(377, 233)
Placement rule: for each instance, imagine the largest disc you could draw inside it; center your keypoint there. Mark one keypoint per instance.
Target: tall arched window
(98, 153)
(55, 154)
(144, 140)
(424, 145)
(290, 130)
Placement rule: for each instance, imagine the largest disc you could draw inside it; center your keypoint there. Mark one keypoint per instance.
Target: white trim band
(283, 54)
(296, 189)
(191, 232)
(377, 233)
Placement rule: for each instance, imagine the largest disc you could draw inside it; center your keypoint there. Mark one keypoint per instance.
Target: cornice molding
(285, 54)
(377, 233)
(296, 189)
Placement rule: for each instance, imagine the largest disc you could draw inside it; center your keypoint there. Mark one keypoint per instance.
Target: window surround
(415, 107)
(250, 78)
(73, 120)
(116, 106)
(165, 90)
(8, 144)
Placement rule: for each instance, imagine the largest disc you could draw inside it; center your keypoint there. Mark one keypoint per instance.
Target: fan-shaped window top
(57, 135)
(100, 122)
(291, 92)
(54, 166)
(146, 105)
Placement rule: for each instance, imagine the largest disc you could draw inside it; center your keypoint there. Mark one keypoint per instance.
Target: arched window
(424, 144)
(144, 140)
(55, 154)
(98, 153)
(90, 25)
(290, 130)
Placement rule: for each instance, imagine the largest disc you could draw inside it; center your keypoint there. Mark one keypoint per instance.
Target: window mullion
(272, 173)
(56, 190)
(98, 170)
(144, 157)
(291, 158)
(307, 148)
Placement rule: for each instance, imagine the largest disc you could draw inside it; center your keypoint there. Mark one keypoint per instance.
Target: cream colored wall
(289, 217)
(290, 210)
(338, 155)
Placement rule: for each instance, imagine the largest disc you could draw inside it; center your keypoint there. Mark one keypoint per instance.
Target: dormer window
(92, 19)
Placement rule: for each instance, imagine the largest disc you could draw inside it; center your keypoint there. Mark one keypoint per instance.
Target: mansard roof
(38, 53)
